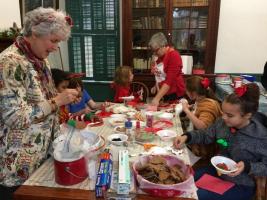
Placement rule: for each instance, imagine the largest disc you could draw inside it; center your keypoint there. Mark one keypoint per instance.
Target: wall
(242, 43)
(9, 13)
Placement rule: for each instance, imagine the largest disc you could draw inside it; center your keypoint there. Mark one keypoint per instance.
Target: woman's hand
(240, 168)
(153, 90)
(66, 97)
(179, 141)
(155, 102)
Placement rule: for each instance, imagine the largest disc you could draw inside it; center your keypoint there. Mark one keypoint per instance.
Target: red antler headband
(205, 82)
(69, 21)
(240, 91)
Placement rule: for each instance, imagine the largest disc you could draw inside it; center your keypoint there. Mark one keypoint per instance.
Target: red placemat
(161, 124)
(104, 114)
(152, 129)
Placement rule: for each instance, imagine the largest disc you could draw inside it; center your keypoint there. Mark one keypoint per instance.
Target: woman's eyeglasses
(155, 51)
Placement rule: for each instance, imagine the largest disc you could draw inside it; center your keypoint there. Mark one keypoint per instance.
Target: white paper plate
(118, 116)
(116, 121)
(166, 135)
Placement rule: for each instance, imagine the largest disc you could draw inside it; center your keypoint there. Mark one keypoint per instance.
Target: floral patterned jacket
(27, 124)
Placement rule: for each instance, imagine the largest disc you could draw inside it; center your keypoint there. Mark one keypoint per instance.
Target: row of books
(152, 22)
(141, 64)
(202, 22)
(148, 3)
(185, 3)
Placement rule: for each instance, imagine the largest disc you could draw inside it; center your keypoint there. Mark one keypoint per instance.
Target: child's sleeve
(15, 109)
(86, 96)
(203, 136)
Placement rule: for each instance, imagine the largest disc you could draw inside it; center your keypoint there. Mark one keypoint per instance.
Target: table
(26, 192)
(41, 184)
(223, 90)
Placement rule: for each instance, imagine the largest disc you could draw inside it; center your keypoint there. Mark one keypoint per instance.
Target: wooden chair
(137, 86)
(261, 188)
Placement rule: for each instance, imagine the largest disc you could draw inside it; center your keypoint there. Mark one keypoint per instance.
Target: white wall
(9, 13)
(242, 37)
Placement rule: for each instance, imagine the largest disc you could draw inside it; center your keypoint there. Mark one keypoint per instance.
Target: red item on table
(161, 124)
(214, 184)
(152, 129)
(104, 114)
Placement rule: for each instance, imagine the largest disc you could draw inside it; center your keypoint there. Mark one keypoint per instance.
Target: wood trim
(127, 33)
(26, 192)
(212, 34)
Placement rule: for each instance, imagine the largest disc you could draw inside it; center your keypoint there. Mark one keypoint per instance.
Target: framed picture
(28, 5)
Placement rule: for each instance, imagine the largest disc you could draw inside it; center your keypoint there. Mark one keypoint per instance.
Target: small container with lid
(128, 129)
(149, 119)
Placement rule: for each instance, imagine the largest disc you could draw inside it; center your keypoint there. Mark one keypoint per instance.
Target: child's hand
(80, 125)
(185, 105)
(240, 166)
(179, 141)
(106, 104)
(87, 110)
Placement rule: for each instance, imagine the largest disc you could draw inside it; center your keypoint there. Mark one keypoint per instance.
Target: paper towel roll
(187, 64)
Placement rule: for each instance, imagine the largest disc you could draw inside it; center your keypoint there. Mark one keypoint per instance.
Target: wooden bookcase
(191, 26)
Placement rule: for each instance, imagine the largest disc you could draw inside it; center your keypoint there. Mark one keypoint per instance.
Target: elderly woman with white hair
(29, 102)
(167, 68)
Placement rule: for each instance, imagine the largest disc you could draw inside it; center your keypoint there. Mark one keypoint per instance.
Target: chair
(137, 86)
(261, 188)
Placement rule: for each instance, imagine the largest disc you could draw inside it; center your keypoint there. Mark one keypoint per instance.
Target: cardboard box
(124, 179)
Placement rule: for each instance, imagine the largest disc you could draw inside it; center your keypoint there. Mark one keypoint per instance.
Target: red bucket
(70, 172)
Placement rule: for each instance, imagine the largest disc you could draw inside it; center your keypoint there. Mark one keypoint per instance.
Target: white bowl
(227, 161)
(166, 115)
(122, 138)
(166, 135)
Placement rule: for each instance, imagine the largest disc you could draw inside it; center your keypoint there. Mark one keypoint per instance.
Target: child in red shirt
(121, 84)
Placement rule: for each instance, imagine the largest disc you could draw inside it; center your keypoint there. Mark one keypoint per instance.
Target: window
(94, 44)
(28, 5)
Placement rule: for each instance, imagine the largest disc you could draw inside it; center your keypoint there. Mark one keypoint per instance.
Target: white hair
(158, 40)
(44, 21)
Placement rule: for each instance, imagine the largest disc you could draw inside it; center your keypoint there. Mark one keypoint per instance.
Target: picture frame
(28, 5)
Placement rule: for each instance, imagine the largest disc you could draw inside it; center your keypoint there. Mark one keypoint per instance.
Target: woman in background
(29, 101)
(167, 68)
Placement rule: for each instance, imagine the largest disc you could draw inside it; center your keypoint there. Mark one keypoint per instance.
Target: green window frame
(94, 46)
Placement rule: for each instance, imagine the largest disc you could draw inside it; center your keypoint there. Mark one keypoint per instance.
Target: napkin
(214, 184)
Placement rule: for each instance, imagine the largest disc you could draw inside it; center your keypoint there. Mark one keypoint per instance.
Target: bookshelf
(191, 26)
